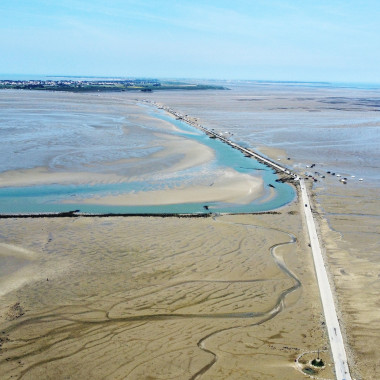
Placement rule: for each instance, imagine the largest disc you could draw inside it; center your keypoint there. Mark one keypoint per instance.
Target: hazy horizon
(273, 40)
(16, 76)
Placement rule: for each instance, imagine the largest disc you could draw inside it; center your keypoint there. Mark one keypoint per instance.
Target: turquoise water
(48, 198)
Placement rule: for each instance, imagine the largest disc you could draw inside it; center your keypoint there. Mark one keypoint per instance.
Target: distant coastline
(179, 83)
(102, 85)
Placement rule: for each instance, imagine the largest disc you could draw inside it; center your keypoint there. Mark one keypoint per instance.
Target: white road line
(335, 336)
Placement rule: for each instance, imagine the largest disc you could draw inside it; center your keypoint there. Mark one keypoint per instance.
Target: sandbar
(229, 187)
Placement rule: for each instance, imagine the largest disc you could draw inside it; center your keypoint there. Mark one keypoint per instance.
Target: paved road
(332, 323)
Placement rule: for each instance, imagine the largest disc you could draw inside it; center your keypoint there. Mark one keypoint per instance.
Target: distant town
(144, 85)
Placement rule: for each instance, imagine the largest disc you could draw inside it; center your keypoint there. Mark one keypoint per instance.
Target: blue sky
(314, 40)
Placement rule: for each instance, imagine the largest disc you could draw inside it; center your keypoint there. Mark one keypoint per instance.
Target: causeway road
(332, 324)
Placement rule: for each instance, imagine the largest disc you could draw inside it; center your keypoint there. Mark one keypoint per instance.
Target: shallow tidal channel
(52, 198)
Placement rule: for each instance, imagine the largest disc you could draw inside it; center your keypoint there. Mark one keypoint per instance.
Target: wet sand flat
(350, 228)
(162, 298)
(88, 139)
(91, 141)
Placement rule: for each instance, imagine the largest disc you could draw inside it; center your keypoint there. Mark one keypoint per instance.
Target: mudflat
(349, 220)
(141, 297)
